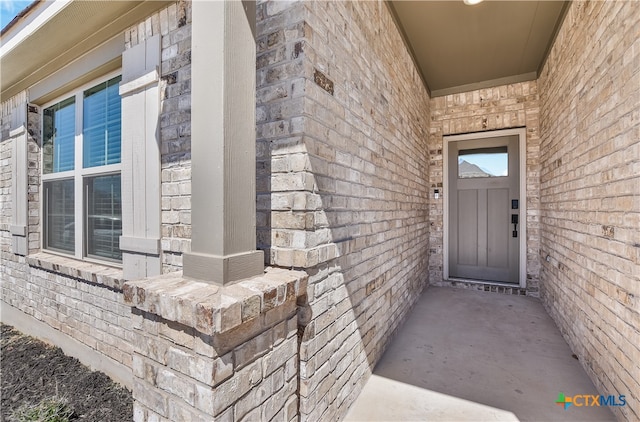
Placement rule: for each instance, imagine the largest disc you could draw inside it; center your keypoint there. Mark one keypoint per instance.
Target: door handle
(514, 221)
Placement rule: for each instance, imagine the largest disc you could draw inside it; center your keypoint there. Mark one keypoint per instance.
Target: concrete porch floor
(467, 355)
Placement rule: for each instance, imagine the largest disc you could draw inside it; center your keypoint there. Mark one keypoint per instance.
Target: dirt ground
(32, 370)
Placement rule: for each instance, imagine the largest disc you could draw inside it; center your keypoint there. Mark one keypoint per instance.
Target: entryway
(485, 207)
(468, 355)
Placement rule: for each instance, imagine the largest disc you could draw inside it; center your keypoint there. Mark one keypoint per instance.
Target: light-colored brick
(590, 211)
(349, 149)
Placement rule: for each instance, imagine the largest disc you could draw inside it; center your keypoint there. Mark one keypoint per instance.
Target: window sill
(88, 271)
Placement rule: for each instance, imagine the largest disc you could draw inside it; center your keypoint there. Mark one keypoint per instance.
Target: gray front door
(483, 209)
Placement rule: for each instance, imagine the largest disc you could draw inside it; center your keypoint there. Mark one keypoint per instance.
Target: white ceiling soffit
(53, 34)
(459, 48)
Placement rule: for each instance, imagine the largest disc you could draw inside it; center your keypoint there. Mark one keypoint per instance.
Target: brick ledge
(88, 271)
(213, 309)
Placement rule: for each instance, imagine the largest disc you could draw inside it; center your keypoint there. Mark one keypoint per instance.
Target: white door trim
(522, 142)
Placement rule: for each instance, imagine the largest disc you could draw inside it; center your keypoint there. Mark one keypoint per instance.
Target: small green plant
(52, 409)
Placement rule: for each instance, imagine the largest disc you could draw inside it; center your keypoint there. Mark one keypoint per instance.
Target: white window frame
(78, 174)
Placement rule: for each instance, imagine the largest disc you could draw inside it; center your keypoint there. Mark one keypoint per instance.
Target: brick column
(223, 243)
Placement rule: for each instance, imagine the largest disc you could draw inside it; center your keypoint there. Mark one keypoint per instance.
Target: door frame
(522, 162)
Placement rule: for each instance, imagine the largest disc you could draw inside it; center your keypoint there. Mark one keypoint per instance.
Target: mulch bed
(32, 370)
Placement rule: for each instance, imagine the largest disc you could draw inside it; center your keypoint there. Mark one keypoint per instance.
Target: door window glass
(483, 162)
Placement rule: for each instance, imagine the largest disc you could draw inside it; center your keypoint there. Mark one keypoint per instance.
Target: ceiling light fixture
(471, 2)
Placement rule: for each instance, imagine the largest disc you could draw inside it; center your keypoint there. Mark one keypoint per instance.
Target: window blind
(104, 216)
(101, 124)
(59, 124)
(59, 221)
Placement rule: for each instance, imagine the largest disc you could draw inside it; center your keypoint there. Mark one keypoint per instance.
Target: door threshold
(483, 285)
(490, 283)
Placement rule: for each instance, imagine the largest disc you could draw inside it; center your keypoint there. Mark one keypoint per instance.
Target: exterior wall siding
(508, 106)
(590, 193)
(342, 191)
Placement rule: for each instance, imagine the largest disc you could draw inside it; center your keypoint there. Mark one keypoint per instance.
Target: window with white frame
(82, 201)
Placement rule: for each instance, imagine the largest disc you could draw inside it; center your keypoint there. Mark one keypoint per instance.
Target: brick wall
(590, 192)
(342, 191)
(80, 300)
(85, 300)
(33, 183)
(502, 107)
(33, 172)
(6, 206)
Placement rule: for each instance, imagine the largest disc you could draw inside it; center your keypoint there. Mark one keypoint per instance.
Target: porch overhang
(51, 35)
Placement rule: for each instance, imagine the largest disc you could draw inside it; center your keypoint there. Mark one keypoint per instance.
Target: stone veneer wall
(503, 107)
(342, 192)
(590, 193)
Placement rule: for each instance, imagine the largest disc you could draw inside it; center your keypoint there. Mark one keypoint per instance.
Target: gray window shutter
(19, 176)
(141, 190)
